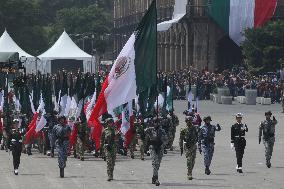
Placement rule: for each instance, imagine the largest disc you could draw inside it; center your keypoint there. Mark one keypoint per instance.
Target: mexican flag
(127, 126)
(235, 16)
(133, 72)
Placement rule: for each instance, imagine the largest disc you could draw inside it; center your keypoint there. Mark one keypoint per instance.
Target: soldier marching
(206, 142)
(267, 134)
(238, 141)
(188, 144)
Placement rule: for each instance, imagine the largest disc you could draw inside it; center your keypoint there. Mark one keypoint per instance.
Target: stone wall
(194, 41)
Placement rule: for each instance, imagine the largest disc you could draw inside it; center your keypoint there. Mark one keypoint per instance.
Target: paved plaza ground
(42, 172)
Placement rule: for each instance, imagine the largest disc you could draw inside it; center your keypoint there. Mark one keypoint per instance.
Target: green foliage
(36, 24)
(264, 47)
(84, 22)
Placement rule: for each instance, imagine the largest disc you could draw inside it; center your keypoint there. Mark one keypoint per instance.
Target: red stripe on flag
(32, 126)
(263, 12)
(130, 133)
(99, 109)
(73, 136)
(97, 133)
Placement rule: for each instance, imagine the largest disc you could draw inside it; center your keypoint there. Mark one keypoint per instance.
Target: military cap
(268, 113)
(207, 118)
(240, 115)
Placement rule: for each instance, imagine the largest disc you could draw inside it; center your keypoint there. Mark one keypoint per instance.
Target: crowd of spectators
(268, 85)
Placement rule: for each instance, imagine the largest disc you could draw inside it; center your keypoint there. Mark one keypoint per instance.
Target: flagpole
(157, 61)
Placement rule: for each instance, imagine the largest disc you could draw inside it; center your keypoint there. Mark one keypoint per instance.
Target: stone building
(196, 40)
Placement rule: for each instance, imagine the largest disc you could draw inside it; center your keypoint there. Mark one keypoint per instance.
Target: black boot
(157, 182)
(29, 151)
(207, 171)
(52, 153)
(61, 172)
(154, 178)
(268, 164)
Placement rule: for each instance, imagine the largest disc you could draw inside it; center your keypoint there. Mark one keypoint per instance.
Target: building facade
(196, 40)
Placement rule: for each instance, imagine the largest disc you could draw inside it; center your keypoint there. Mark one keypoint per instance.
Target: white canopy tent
(64, 49)
(179, 13)
(7, 44)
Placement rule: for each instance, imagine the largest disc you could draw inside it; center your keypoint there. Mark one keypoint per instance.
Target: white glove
(232, 145)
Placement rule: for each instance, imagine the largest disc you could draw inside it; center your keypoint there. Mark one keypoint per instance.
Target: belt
(14, 140)
(239, 136)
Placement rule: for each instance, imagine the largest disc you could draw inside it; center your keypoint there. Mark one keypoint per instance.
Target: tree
(22, 20)
(85, 21)
(36, 24)
(264, 47)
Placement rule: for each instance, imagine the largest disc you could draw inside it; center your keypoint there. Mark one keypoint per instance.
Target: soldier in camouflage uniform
(110, 147)
(81, 140)
(166, 124)
(102, 149)
(267, 130)
(174, 123)
(206, 142)
(157, 138)
(132, 146)
(138, 138)
(140, 135)
(61, 133)
(187, 144)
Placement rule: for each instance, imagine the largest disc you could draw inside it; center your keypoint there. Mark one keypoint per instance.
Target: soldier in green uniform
(140, 135)
(267, 130)
(81, 140)
(174, 123)
(102, 149)
(157, 140)
(110, 147)
(132, 146)
(138, 138)
(188, 144)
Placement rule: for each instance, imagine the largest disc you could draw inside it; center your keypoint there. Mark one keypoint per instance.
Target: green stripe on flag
(146, 50)
(220, 12)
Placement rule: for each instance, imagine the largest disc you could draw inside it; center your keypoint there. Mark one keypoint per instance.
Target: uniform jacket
(267, 129)
(188, 137)
(16, 141)
(238, 132)
(207, 134)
